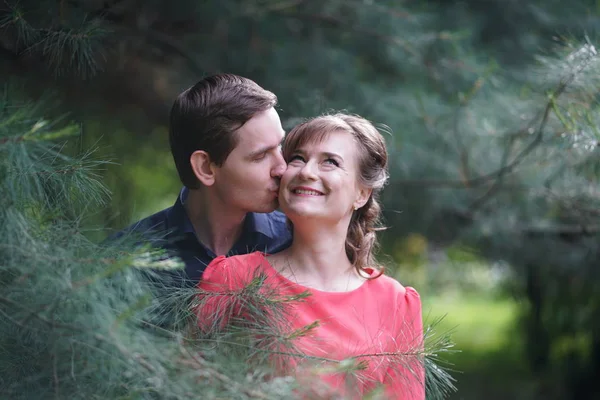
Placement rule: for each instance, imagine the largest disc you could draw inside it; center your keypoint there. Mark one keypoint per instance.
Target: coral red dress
(378, 324)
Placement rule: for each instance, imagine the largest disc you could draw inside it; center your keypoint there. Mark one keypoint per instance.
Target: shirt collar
(259, 222)
(254, 222)
(177, 216)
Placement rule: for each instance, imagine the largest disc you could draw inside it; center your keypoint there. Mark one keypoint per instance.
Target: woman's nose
(308, 171)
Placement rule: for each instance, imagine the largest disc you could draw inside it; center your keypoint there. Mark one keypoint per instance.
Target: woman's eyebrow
(332, 155)
(322, 154)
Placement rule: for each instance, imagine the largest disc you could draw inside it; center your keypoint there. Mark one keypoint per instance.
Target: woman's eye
(296, 158)
(332, 162)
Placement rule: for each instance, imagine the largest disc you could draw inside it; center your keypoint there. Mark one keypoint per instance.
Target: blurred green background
(490, 111)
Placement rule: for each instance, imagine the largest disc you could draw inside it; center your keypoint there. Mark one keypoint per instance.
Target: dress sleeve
(222, 295)
(216, 303)
(406, 376)
(217, 275)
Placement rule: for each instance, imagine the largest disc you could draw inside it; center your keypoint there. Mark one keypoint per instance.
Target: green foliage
(72, 313)
(63, 39)
(77, 319)
(492, 146)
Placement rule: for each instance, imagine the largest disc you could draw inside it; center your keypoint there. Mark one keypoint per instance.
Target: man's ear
(203, 167)
(363, 196)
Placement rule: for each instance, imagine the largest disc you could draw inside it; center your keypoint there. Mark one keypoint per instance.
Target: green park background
(489, 108)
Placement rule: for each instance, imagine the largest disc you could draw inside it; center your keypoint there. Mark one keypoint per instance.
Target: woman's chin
(299, 212)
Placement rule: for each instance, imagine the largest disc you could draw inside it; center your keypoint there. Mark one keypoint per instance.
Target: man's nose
(279, 167)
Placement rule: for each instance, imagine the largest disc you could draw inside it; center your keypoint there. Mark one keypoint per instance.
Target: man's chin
(272, 206)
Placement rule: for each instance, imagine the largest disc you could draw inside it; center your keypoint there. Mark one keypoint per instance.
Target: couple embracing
(229, 149)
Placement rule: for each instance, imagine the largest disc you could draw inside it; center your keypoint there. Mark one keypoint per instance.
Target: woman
(337, 164)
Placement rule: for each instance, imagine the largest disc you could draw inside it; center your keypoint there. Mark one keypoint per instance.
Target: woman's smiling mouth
(305, 191)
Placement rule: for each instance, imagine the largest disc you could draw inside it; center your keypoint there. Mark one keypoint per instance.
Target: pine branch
(118, 23)
(36, 315)
(204, 369)
(14, 139)
(491, 177)
(551, 105)
(59, 45)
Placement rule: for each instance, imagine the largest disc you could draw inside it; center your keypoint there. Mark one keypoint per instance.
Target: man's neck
(216, 226)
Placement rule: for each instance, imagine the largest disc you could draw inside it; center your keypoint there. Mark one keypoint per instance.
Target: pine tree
(493, 148)
(512, 172)
(77, 318)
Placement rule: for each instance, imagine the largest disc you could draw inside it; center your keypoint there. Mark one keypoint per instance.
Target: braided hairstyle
(361, 240)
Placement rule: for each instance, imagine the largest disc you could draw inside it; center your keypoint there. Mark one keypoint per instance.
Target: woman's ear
(363, 196)
(203, 168)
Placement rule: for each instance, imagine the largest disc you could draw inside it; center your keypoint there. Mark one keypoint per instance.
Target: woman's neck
(317, 259)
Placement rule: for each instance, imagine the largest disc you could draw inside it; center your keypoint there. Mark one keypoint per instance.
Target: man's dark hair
(206, 117)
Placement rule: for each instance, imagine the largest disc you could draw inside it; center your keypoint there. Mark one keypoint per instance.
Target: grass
(488, 362)
(478, 323)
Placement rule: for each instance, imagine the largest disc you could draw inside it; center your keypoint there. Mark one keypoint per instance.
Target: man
(225, 138)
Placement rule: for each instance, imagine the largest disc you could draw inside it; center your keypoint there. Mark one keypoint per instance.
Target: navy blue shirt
(172, 230)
